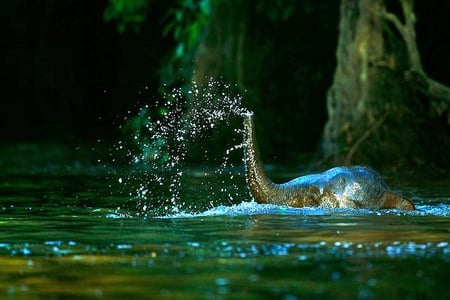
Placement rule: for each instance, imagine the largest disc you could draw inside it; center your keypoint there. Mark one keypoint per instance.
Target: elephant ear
(392, 200)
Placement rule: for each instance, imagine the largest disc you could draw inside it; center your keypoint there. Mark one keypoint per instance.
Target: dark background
(68, 76)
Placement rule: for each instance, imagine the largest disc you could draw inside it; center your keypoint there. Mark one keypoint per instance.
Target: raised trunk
(261, 187)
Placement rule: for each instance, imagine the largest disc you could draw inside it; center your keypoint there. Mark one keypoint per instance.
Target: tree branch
(364, 137)
(439, 92)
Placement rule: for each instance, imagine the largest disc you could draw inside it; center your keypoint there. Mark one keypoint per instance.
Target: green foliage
(126, 13)
(280, 10)
(189, 23)
(151, 148)
(186, 22)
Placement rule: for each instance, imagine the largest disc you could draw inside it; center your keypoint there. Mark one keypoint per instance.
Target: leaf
(205, 7)
(179, 51)
(194, 33)
(287, 13)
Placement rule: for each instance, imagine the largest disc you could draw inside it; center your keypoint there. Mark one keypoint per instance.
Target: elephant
(339, 187)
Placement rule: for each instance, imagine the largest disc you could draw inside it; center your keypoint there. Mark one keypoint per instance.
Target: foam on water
(252, 208)
(442, 210)
(243, 208)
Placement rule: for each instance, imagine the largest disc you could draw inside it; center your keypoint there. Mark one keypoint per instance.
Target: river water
(74, 229)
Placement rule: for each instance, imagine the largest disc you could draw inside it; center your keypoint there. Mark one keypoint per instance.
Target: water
(76, 224)
(72, 231)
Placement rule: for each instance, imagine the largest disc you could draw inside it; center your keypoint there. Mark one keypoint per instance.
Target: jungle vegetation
(382, 106)
(345, 82)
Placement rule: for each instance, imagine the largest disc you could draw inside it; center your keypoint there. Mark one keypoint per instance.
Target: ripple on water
(321, 250)
(303, 251)
(432, 210)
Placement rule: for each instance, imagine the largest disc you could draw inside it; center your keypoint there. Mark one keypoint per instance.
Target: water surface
(73, 229)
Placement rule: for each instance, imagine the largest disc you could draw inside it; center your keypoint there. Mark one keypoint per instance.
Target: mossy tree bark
(374, 112)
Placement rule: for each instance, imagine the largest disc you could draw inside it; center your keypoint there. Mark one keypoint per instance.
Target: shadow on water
(75, 231)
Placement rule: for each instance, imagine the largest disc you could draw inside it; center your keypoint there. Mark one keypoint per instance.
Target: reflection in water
(315, 255)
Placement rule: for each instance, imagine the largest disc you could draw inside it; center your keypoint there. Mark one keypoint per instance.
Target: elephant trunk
(352, 187)
(261, 187)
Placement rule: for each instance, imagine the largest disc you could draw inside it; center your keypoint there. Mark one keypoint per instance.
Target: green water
(70, 230)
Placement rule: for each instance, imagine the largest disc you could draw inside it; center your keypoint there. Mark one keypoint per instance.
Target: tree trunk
(370, 119)
(220, 53)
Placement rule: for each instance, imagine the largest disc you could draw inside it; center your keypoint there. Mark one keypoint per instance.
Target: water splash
(163, 134)
(249, 208)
